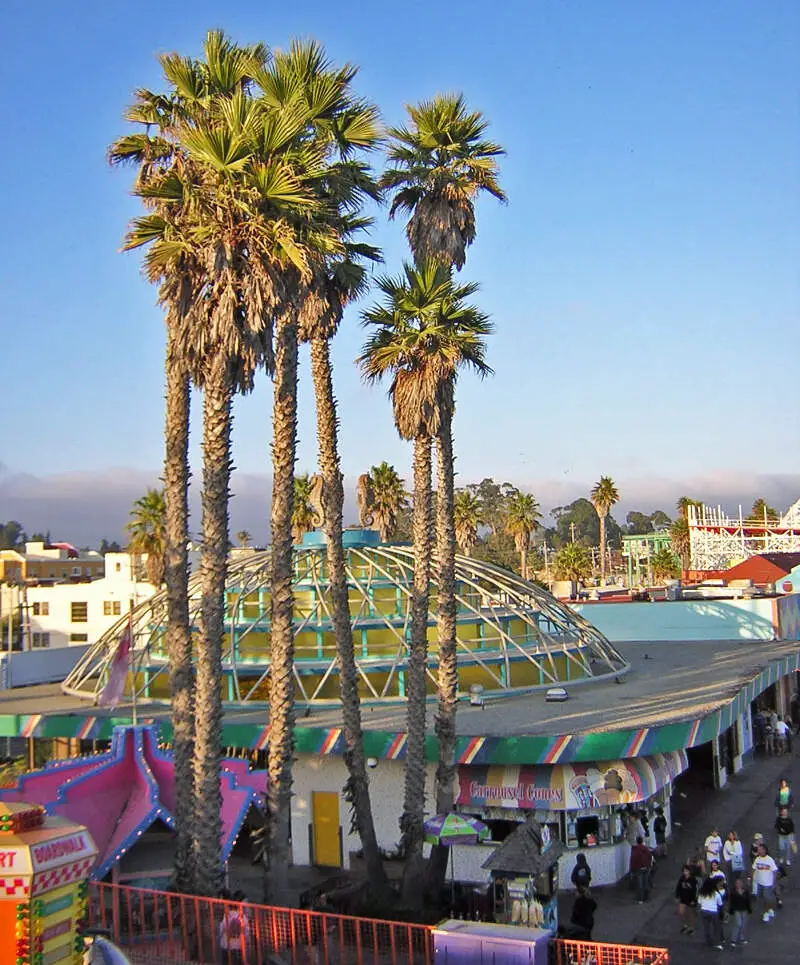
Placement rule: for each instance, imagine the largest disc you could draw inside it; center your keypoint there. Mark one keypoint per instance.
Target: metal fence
(567, 951)
(173, 928)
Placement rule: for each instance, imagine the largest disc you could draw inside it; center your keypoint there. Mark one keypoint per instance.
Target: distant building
(43, 562)
(637, 551)
(65, 614)
(764, 569)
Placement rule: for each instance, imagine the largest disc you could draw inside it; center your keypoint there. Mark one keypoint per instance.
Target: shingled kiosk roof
(521, 852)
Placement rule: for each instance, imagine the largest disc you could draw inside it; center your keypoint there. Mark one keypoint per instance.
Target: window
(79, 612)
(118, 567)
(112, 608)
(41, 609)
(40, 640)
(76, 571)
(79, 638)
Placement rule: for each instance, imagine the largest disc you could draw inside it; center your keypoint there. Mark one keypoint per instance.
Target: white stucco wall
(117, 586)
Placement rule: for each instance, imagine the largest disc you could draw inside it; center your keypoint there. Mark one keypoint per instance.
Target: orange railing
(567, 951)
(172, 929)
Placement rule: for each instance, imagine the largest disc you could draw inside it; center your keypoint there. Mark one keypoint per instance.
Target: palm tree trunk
(448, 655)
(179, 636)
(332, 504)
(217, 401)
(411, 823)
(602, 550)
(281, 692)
(523, 560)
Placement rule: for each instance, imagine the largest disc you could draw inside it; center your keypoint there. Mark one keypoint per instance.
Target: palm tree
(521, 520)
(302, 511)
(244, 538)
(147, 528)
(439, 163)
(572, 562)
(604, 495)
(664, 564)
(424, 333)
(468, 516)
(390, 498)
(679, 530)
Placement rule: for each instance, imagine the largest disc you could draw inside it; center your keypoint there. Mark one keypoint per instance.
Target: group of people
(724, 883)
(773, 733)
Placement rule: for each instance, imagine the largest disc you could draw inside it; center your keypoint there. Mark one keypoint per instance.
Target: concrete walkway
(745, 805)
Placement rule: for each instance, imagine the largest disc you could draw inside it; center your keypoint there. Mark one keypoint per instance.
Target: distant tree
(148, 532)
(660, 520)
(302, 511)
(638, 523)
(40, 538)
(493, 498)
(604, 496)
(521, 520)
(664, 564)
(761, 511)
(12, 535)
(109, 546)
(573, 562)
(468, 515)
(581, 515)
(244, 538)
(390, 498)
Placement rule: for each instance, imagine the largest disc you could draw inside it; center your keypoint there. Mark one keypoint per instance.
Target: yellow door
(325, 823)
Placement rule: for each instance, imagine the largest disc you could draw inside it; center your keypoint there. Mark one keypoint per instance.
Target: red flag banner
(118, 670)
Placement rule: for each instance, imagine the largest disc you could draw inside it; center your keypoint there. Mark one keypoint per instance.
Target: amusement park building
(637, 716)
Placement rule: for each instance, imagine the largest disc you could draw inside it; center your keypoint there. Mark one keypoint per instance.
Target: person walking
(660, 832)
(583, 914)
(686, 895)
(711, 901)
(765, 874)
(781, 736)
(784, 825)
(581, 876)
(733, 856)
(234, 935)
(784, 798)
(741, 908)
(713, 847)
(640, 865)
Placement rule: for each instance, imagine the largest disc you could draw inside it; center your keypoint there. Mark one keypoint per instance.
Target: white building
(70, 614)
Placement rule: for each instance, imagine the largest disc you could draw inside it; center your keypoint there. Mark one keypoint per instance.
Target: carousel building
(555, 724)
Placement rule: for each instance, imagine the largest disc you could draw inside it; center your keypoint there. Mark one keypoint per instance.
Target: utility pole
(572, 531)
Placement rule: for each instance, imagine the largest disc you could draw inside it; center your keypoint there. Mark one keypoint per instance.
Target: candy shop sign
(521, 795)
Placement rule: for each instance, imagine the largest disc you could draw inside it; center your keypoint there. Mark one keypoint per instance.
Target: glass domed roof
(512, 636)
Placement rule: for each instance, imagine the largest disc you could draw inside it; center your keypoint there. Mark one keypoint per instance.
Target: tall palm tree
(148, 533)
(604, 496)
(390, 498)
(154, 150)
(522, 518)
(244, 538)
(438, 164)
(468, 516)
(424, 332)
(337, 126)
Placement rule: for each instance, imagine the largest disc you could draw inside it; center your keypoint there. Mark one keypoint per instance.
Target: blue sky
(643, 279)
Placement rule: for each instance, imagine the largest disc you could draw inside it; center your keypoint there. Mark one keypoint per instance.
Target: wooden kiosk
(44, 866)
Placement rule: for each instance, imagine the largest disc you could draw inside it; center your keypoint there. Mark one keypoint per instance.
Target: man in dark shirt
(640, 865)
(784, 825)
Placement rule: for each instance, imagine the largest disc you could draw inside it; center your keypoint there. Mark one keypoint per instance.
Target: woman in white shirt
(733, 856)
(710, 902)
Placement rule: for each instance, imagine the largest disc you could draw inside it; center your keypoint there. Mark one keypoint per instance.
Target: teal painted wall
(682, 619)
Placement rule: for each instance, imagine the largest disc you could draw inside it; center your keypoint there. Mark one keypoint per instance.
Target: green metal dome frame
(512, 636)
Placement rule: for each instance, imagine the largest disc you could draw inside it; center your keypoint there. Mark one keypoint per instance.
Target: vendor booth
(44, 866)
(524, 878)
(584, 806)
